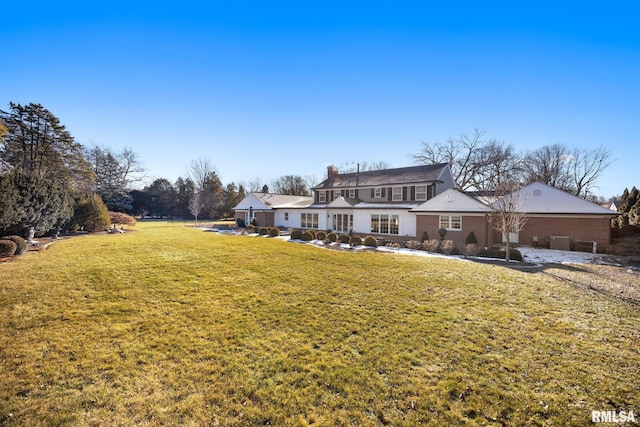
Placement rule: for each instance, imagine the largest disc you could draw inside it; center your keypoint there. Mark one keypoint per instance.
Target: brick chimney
(331, 171)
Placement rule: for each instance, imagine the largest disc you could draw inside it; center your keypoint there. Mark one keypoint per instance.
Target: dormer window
(396, 194)
(322, 197)
(352, 193)
(421, 192)
(377, 193)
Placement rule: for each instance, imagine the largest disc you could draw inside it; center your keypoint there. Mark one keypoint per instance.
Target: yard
(170, 325)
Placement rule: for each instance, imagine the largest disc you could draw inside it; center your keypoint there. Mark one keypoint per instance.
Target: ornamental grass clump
(370, 241)
(356, 241)
(21, 244)
(344, 238)
(431, 245)
(7, 248)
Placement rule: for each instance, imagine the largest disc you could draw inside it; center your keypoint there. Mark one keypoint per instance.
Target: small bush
(470, 249)
(344, 238)
(514, 254)
(431, 245)
(356, 241)
(370, 241)
(333, 237)
(393, 245)
(121, 219)
(442, 232)
(251, 229)
(425, 237)
(447, 247)
(263, 231)
(456, 251)
(296, 235)
(7, 248)
(307, 236)
(471, 239)
(274, 232)
(21, 244)
(412, 244)
(321, 235)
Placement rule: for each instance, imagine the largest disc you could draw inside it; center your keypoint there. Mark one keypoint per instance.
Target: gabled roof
(265, 201)
(539, 198)
(452, 200)
(385, 177)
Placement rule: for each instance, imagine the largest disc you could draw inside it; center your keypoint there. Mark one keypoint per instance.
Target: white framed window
(451, 222)
(286, 216)
(377, 193)
(396, 194)
(352, 193)
(308, 220)
(421, 192)
(342, 223)
(385, 224)
(322, 196)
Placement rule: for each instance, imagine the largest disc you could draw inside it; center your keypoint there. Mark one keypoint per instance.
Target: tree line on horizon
(48, 181)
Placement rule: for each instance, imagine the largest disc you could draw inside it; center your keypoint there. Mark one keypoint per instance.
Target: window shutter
(413, 193)
(405, 190)
(373, 194)
(383, 192)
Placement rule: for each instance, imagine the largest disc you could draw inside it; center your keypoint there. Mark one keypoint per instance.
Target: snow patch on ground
(529, 254)
(553, 256)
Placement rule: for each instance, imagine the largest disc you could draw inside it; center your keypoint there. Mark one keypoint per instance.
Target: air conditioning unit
(562, 243)
(586, 246)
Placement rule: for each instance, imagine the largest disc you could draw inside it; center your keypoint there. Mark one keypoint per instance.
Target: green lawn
(170, 325)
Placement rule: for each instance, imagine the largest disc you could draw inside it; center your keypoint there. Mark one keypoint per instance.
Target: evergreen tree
(8, 202)
(91, 215)
(41, 204)
(38, 144)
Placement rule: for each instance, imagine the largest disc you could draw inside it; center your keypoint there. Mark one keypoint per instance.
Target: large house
(404, 203)
(369, 202)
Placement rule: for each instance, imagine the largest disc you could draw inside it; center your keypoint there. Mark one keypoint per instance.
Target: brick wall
(592, 229)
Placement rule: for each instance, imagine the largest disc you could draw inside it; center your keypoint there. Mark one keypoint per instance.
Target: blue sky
(264, 89)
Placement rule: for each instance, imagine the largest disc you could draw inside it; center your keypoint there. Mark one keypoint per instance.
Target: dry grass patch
(174, 326)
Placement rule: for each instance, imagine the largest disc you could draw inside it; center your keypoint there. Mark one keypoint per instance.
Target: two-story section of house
(377, 202)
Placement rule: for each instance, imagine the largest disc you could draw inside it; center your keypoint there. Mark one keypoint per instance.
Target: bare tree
(195, 205)
(199, 171)
(495, 164)
(587, 166)
(293, 185)
(549, 165)
(463, 155)
(509, 217)
(252, 186)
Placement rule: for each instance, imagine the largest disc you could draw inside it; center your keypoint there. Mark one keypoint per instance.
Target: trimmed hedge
(333, 237)
(321, 235)
(251, 229)
(21, 244)
(425, 237)
(344, 238)
(296, 235)
(7, 248)
(371, 242)
(308, 236)
(514, 254)
(263, 231)
(274, 232)
(471, 239)
(356, 241)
